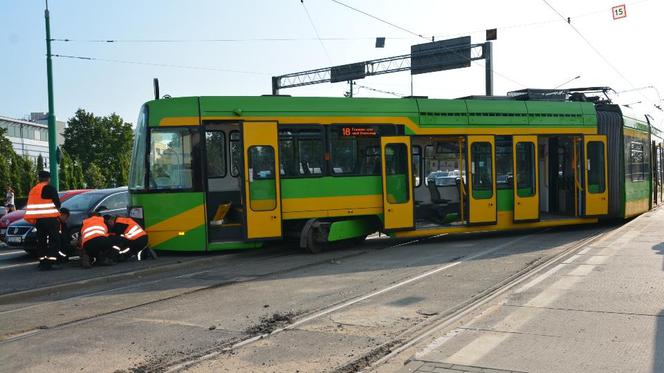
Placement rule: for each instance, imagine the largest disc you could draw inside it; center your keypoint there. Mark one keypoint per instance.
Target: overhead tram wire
(313, 25)
(381, 20)
(86, 58)
(418, 35)
(395, 94)
(285, 39)
(597, 51)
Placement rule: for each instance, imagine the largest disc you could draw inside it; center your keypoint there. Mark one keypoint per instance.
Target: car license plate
(14, 239)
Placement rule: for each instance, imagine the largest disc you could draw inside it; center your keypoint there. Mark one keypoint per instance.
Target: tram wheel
(314, 246)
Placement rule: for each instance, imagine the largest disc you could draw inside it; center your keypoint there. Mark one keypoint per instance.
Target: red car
(18, 214)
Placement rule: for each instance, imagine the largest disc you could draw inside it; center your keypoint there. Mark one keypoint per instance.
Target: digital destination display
(359, 131)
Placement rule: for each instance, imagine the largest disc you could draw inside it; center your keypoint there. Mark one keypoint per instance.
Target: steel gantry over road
(424, 58)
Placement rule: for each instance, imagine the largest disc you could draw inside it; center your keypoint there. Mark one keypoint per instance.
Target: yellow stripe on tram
(173, 226)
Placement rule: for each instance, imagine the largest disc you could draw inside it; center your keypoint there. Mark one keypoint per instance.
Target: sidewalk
(601, 310)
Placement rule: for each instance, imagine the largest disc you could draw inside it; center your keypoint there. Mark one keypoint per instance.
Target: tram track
(28, 333)
(228, 346)
(412, 335)
(419, 332)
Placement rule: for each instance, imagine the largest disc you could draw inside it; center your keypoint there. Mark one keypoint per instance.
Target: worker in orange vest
(42, 211)
(97, 246)
(133, 239)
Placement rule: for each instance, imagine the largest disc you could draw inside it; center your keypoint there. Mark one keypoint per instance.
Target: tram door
(526, 175)
(261, 180)
(481, 180)
(596, 193)
(397, 182)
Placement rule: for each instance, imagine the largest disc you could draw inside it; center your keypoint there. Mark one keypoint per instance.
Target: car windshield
(82, 202)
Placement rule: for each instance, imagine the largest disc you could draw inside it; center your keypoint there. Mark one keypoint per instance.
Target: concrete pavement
(601, 310)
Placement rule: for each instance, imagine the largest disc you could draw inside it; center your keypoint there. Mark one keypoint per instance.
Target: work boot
(147, 253)
(63, 259)
(85, 260)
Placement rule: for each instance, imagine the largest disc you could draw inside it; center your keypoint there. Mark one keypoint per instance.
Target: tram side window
(396, 169)
(355, 150)
(137, 169)
(301, 152)
(215, 145)
(416, 151)
(596, 179)
(236, 153)
(525, 177)
(637, 165)
(171, 159)
(262, 181)
(504, 172)
(442, 163)
(481, 170)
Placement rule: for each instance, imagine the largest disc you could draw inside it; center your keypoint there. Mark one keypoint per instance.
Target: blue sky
(535, 48)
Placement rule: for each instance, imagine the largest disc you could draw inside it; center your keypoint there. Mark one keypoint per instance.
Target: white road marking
(18, 265)
(12, 252)
(597, 259)
(572, 258)
(585, 251)
(485, 343)
(349, 303)
(582, 270)
(438, 342)
(540, 278)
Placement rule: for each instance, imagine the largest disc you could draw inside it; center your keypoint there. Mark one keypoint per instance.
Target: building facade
(29, 138)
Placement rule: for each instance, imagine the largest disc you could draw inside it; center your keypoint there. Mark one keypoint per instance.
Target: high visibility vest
(39, 207)
(93, 227)
(133, 230)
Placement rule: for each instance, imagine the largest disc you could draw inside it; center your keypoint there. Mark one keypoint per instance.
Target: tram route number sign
(359, 131)
(619, 11)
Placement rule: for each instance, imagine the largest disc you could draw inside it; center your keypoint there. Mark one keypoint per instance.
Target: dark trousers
(100, 247)
(134, 246)
(48, 238)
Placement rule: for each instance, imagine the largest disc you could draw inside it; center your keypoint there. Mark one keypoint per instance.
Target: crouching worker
(133, 239)
(96, 245)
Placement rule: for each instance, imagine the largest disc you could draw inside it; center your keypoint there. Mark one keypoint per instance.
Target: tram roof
(425, 111)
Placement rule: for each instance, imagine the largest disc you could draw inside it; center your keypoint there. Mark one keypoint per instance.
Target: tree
(78, 179)
(94, 178)
(6, 155)
(40, 163)
(27, 174)
(103, 141)
(66, 168)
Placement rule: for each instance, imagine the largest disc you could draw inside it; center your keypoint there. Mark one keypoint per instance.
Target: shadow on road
(286, 260)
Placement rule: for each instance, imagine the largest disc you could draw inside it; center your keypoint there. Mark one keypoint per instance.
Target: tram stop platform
(601, 310)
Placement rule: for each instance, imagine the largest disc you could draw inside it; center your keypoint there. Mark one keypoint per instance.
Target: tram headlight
(136, 212)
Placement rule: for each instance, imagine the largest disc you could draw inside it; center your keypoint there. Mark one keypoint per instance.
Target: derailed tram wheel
(313, 245)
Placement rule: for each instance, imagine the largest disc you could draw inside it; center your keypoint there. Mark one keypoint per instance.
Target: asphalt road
(269, 310)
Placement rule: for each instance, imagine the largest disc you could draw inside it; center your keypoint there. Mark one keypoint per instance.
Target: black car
(104, 201)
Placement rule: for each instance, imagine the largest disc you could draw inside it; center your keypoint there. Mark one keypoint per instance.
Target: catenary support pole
(488, 66)
(52, 133)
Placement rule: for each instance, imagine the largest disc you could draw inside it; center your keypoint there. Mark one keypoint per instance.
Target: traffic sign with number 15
(619, 11)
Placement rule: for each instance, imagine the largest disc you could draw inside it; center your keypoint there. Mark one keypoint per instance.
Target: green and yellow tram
(216, 173)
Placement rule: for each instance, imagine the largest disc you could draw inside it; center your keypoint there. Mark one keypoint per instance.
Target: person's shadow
(658, 364)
